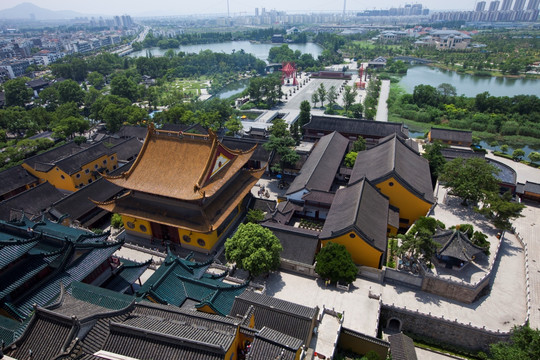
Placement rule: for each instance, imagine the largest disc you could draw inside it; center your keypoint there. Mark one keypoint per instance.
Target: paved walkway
(382, 107)
(528, 227)
(423, 354)
(361, 312)
(524, 172)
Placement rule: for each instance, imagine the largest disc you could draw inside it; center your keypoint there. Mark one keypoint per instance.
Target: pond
(469, 85)
(259, 50)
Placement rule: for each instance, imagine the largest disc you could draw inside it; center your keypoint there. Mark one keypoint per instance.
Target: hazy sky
(184, 7)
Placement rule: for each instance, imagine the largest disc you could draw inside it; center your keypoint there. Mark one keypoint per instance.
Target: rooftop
(321, 166)
(199, 162)
(359, 207)
(392, 157)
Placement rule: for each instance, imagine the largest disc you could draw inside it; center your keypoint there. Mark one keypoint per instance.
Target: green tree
(315, 98)
(350, 159)
(305, 115)
(50, 97)
(254, 216)
(68, 126)
(504, 148)
(321, 91)
(357, 111)
(233, 125)
(125, 87)
(335, 263)
(501, 209)
(96, 80)
(534, 157)
(254, 248)
(70, 91)
(524, 344)
(359, 144)
(349, 97)
(447, 90)
(332, 96)
(116, 221)
(16, 92)
(470, 179)
(432, 152)
(518, 154)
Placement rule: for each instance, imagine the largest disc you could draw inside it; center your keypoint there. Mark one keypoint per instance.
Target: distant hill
(25, 11)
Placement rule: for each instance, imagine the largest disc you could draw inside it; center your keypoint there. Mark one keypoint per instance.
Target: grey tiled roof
(299, 245)
(531, 187)
(270, 344)
(74, 163)
(128, 149)
(286, 317)
(456, 244)
(402, 347)
(33, 201)
(451, 135)
(322, 197)
(506, 174)
(360, 207)
(321, 166)
(365, 128)
(14, 178)
(78, 204)
(45, 337)
(393, 158)
(66, 157)
(129, 131)
(465, 153)
(260, 153)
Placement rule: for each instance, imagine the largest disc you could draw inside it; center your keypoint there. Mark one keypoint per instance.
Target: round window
(130, 225)
(62, 176)
(186, 238)
(352, 236)
(96, 166)
(390, 184)
(142, 228)
(201, 242)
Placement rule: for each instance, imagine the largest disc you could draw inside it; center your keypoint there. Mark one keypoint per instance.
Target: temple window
(201, 242)
(130, 225)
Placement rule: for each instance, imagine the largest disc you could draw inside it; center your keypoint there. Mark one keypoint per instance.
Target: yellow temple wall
(200, 240)
(137, 225)
(62, 180)
(361, 252)
(410, 206)
(206, 309)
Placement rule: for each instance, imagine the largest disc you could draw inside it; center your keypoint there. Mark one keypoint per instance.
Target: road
(382, 107)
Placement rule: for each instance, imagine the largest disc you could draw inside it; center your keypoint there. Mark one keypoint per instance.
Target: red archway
(288, 73)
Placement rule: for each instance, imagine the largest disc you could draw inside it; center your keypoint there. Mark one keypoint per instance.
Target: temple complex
(183, 188)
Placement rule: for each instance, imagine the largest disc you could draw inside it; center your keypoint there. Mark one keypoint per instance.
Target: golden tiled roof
(182, 166)
(187, 215)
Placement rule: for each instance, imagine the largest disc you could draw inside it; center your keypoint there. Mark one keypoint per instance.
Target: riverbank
(482, 73)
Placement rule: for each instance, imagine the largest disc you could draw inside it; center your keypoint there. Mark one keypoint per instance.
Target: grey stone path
(382, 107)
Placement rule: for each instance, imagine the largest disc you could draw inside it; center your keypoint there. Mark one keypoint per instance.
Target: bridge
(413, 60)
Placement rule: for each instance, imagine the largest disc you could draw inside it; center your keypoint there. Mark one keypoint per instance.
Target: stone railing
(459, 290)
(527, 280)
(441, 329)
(298, 267)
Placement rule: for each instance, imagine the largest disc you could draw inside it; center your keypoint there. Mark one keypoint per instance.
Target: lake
(469, 85)
(259, 50)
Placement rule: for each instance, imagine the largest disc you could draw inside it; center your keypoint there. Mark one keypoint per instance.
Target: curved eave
(371, 242)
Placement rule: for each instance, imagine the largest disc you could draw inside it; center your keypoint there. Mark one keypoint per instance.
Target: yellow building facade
(186, 189)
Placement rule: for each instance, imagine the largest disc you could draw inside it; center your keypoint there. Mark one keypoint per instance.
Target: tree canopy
(254, 248)
(470, 179)
(524, 344)
(335, 263)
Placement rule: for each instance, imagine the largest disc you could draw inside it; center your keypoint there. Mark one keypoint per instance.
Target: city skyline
(236, 7)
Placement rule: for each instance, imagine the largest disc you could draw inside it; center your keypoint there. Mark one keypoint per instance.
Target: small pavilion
(455, 248)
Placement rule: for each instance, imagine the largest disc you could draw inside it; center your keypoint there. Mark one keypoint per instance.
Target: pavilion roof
(456, 244)
(182, 166)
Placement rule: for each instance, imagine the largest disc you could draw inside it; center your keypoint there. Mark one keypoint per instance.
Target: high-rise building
(507, 5)
(481, 6)
(533, 4)
(519, 5)
(494, 5)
